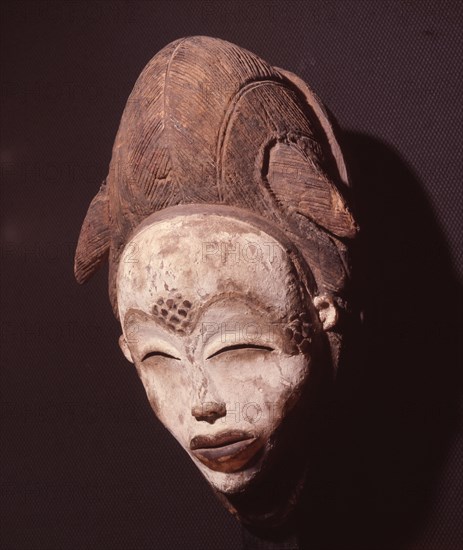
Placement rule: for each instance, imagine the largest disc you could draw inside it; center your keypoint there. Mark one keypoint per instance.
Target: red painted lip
(226, 452)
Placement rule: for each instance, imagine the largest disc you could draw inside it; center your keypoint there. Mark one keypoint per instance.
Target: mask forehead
(185, 262)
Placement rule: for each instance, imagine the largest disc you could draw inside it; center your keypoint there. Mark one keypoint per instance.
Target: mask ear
(327, 311)
(94, 239)
(125, 348)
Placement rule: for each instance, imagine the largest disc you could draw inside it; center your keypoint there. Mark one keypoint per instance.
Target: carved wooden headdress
(209, 122)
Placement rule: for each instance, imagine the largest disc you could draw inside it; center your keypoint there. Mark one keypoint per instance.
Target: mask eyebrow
(148, 339)
(172, 323)
(133, 316)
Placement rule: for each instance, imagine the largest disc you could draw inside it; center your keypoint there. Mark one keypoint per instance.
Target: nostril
(209, 412)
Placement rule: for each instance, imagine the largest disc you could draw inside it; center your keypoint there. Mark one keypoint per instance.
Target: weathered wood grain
(211, 123)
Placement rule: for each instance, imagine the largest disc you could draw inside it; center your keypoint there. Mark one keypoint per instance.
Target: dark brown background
(84, 463)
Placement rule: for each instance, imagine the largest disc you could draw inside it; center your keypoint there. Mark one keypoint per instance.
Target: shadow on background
(397, 397)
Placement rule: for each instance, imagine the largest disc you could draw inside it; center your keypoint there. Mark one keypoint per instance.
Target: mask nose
(205, 407)
(209, 411)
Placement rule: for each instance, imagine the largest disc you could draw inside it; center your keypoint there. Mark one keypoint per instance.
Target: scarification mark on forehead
(174, 311)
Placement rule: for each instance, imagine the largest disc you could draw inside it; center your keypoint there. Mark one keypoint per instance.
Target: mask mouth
(227, 452)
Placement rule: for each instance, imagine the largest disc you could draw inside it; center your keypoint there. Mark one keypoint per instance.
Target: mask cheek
(168, 400)
(295, 371)
(149, 384)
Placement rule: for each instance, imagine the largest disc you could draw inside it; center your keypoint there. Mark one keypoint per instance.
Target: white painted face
(219, 330)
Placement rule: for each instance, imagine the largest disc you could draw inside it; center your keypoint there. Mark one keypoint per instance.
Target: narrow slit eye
(159, 354)
(240, 346)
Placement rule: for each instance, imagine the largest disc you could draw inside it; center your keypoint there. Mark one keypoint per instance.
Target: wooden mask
(225, 220)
